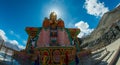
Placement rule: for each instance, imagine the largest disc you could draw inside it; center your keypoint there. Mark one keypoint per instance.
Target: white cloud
(24, 41)
(14, 34)
(17, 36)
(21, 47)
(95, 7)
(118, 4)
(14, 42)
(2, 35)
(11, 32)
(10, 43)
(84, 27)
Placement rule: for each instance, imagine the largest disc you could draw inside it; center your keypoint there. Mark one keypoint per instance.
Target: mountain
(108, 21)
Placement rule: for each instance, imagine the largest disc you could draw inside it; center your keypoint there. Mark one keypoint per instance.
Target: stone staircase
(101, 56)
(107, 57)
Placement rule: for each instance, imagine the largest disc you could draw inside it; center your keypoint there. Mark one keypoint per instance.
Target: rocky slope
(108, 26)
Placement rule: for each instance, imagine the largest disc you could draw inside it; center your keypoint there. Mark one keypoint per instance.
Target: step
(101, 58)
(104, 61)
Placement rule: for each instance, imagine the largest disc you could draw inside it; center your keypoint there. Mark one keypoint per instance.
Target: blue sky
(15, 15)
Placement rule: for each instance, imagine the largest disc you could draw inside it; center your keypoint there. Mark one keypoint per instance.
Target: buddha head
(53, 16)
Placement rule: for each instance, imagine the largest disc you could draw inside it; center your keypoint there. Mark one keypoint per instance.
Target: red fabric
(63, 38)
(44, 38)
(66, 61)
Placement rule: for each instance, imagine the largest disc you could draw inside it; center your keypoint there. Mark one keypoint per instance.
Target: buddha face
(56, 55)
(53, 16)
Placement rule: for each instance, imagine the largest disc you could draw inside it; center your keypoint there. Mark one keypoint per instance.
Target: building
(51, 44)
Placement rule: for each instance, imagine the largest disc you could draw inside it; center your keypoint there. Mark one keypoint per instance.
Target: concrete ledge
(115, 58)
